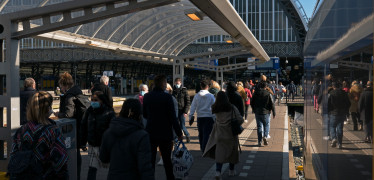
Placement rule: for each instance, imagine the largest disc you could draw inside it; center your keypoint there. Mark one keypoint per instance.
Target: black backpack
(82, 103)
(24, 165)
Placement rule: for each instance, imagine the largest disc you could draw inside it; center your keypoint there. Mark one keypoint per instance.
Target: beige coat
(222, 145)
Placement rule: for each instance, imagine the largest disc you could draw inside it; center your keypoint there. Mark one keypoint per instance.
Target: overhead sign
(273, 63)
(108, 73)
(251, 60)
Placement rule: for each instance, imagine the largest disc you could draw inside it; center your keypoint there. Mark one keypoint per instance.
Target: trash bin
(68, 129)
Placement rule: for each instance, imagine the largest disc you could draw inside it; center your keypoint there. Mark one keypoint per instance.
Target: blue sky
(308, 6)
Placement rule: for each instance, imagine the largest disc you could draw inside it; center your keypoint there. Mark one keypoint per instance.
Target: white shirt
(202, 104)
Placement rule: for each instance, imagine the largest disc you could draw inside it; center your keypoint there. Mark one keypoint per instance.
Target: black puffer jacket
(338, 102)
(365, 105)
(236, 100)
(183, 99)
(94, 123)
(127, 148)
(262, 102)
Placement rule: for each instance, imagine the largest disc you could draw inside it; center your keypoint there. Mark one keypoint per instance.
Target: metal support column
(178, 69)
(132, 84)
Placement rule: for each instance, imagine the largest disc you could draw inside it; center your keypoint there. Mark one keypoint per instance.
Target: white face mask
(178, 85)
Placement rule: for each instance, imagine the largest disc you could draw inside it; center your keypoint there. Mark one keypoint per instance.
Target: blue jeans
(263, 125)
(219, 166)
(204, 126)
(336, 127)
(182, 122)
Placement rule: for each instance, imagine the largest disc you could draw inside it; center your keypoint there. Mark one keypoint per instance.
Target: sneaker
(245, 121)
(160, 163)
(333, 143)
(265, 141)
(340, 146)
(232, 173)
(259, 144)
(218, 175)
(345, 122)
(360, 127)
(188, 140)
(268, 137)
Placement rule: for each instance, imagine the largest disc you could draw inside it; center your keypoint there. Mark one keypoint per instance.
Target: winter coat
(338, 102)
(24, 97)
(354, 97)
(262, 102)
(50, 148)
(183, 99)
(249, 95)
(236, 100)
(105, 89)
(222, 144)
(126, 146)
(94, 123)
(365, 105)
(159, 111)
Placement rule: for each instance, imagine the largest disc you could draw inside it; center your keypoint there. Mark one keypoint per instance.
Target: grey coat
(222, 144)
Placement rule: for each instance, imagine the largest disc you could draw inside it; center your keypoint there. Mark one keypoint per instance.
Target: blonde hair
(216, 85)
(169, 88)
(240, 83)
(66, 80)
(38, 107)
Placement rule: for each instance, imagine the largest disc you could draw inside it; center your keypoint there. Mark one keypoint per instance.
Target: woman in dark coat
(94, 123)
(126, 145)
(234, 97)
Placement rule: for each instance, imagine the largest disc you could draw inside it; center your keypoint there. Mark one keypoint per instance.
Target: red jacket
(249, 95)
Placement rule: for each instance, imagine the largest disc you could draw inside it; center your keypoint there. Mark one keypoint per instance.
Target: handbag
(182, 160)
(236, 127)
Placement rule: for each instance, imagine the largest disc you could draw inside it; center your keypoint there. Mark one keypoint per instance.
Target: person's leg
(339, 130)
(231, 166)
(79, 163)
(259, 122)
(246, 112)
(166, 148)
(355, 120)
(182, 121)
(154, 152)
(219, 167)
(91, 173)
(332, 129)
(200, 129)
(267, 125)
(207, 130)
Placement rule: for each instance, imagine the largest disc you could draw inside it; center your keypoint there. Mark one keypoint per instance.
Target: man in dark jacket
(365, 106)
(234, 97)
(291, 88)
(159, 110)
(180, 93)
(103, 87)
(338, 109)
(29, 90)
(126, 145)
(262, 105)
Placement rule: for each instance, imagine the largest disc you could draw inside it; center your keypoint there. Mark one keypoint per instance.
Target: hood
(75, 90)
(262, 92)
(203, 92)
(124, 126)
(337, 92)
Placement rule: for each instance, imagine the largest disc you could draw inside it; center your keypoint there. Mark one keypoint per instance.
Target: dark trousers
(79, 164)
(219, 166)
(336, 127)
(355, 120)
(246, 112)
(165, 149)
(204, 126)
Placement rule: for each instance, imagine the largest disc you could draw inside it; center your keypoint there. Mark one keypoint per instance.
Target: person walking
(159, 111)
(202, 104)
(234, 97)
(41, 135)
(223, 145)
(354, 97)
(126, 145)
(29, 90)
(248, 100)
(262, 105)
(143, 89)
(103, 87)
(181, 95)
(338, 107)
(365, 106)
(291, 88)
(94, 123)
(281, 91)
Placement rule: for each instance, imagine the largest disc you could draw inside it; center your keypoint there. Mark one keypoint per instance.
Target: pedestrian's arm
(173, 117)
(105, 148)
(272, 106)
(109, 92)
(193, 106)
(239, 118)
(69, 108)
(84, 132)
(144, 157)
(241, 106)
(145, 105)
(186, 100)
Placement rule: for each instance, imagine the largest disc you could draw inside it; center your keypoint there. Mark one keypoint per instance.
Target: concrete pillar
(178, 69)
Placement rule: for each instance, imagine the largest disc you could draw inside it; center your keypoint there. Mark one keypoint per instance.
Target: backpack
(24, 165)
(81, 105)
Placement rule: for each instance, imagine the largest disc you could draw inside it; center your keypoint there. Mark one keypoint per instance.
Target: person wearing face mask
(95, 122)
(181, 95)
(143, 89)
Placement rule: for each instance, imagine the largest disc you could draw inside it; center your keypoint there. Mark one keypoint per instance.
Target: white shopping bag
(182, 160)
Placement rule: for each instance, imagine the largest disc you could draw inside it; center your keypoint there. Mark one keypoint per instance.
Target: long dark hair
(103, 98)
(222, 103)
(132, 109)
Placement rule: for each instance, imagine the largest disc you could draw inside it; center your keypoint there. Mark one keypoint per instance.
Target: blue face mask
(142, 93)
(95, 104)
(178, 85)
